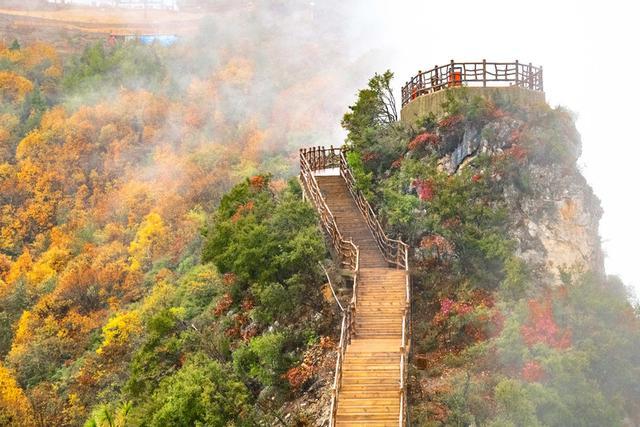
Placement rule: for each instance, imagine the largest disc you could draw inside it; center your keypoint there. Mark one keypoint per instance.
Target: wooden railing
(405, 347)
(395, 252)
(473, 74)
(311, 160)
(346, 250)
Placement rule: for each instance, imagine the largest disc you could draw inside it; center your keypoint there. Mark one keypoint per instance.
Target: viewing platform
(424, 93)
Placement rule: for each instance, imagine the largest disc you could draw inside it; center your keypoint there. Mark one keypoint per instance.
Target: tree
(202, 392)
(14, 405)
(375, 107)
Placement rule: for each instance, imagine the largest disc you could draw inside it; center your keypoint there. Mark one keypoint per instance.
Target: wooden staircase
(369, 387)
(371, 375)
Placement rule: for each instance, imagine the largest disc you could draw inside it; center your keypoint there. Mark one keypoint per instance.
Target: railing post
(484, 73)
(437, 74)
(451, 77)
(517, 73)
(530, 76)
(541, 80)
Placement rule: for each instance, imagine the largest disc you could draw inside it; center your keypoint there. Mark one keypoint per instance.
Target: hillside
(515, 322)
(157, 264)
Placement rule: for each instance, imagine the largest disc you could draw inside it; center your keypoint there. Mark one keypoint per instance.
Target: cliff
(515, 321)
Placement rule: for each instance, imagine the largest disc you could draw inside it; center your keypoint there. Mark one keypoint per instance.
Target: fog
(589, 54)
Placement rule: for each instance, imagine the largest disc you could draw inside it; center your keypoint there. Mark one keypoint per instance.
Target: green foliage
(15, 45)
(516, 280)
(13, 303)
(362, 177)
(33, 108)
(468, 214)
(375, 107)
(271, 246)
(201, 393)
(263, 359)
(514, 406)
(98, 69)
(104, 416)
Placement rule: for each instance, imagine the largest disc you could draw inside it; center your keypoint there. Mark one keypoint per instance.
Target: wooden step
(361, 416)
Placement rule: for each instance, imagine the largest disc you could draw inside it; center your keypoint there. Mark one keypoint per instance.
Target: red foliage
(517, 152)
(438, 243)
(497, 323)
(223, 305)
(450, 121)
(298, 375)
(424, 188)
(477, 319)
(370, 157)
(257, 182)
(532, 371)
(451, 222)
(229, 278)
(498, 113)
(242, 209)
(326, 343)
(449, 308)
(515, 136)
(396, 164)
(247, 304)
(250, 332)
(542, 328)
(476, 178)
(232, 332)
(424, 139)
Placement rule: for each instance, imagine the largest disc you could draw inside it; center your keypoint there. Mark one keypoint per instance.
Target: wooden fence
(484, 74)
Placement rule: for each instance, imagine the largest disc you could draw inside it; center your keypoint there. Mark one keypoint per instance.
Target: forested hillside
(157, 265)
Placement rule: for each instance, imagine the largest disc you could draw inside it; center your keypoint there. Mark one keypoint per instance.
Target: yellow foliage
(54, 120)
(238, 70)
(14, 87)
(52, 261)
(23, 330)
(148, 238)
(31, 145)
(14, 406)
(116, 333)
(13, 56)
(21, 267)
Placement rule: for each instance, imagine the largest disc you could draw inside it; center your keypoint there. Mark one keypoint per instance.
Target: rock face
(556, 225)
(554, 220)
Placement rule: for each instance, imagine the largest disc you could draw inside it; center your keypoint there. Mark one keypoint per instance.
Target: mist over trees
(123, 187)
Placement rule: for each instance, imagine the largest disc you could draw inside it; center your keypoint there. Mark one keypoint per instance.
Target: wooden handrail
(394, 251)
(481, 73)
(345, 249)
(311, 160)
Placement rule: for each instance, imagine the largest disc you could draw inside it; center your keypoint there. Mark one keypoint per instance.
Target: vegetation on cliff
(500, 336)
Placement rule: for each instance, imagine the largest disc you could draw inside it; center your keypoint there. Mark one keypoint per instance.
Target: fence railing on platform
(483, 74)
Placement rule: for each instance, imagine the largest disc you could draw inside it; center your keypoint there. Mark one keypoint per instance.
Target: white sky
(590, 54)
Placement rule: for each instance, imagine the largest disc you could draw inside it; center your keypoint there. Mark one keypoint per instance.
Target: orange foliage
(13, 87)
